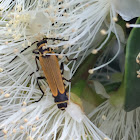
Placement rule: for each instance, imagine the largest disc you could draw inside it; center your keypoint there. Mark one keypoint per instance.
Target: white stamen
(75, 112)
(132, 25)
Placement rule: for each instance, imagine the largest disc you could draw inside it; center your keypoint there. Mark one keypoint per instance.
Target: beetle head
(41, 42)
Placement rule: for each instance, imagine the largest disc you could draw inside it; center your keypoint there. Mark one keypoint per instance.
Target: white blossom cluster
(115, 122)
(86, 26)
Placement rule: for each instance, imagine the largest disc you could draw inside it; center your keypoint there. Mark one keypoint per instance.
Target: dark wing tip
(62, 106)
(61, 100)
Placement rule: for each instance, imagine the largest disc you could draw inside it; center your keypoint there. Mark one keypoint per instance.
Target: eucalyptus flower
(44, 121)
(74, 21)
(24, 22)
(110, 116)
(115, 122)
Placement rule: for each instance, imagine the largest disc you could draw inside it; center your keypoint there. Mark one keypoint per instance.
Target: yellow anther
(94, 51)
(1, 91)
(103, 32)
(52, 20)
(4, 131)
(86, 135)
(10, 22)
(65, 46)
(138, 72)
(29, 43)
(21, 127)
(7, 25)
(108, 77)
(37, 118)
(138, 59)
(24, 103)
(65, 14)
(17, 16)
(104, 117)
(6, 33)
(17, 38)
(86, 5)
(16, 22)
(1, 70)
(127, 25)
(73, 30)
(9, 30)
(91, 71)
(18, 7)
(30, 138)
(23, 109)
(15, 50)
(115, 19)
(6, 43)
(34, 129)
(47, 10)
(14, 35)
(50, 7)
(1, 8)
(7, 95)
(25, 120)
(14, 130)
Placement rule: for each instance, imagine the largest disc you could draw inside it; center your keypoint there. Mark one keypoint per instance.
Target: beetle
(52, 72)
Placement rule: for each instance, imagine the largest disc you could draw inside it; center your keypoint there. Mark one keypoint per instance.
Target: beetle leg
(36, 58)
(35, 51)
(62, 68)
(39, 78)
(71, 59)
(23, 51)
(20, 52)
(42, 77)
(66, 79)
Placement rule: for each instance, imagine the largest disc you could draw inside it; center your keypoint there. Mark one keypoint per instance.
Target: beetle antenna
(54, 39)
(23, 50)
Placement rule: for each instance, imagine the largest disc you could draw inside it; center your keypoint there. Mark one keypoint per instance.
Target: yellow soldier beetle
(52, 72)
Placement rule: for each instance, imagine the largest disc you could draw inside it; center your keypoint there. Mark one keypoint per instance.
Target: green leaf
(131, 82)
(89, 98)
